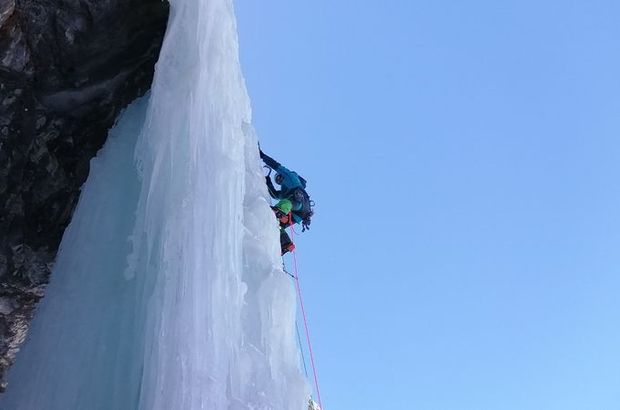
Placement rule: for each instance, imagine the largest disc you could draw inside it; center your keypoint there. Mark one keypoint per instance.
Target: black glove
(270, 162)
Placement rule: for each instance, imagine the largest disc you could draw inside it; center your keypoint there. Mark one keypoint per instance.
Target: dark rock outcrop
(67, 67)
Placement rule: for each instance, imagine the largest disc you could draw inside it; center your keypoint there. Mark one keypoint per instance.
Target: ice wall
(167, 292)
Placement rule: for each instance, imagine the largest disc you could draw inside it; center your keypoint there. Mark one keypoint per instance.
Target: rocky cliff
(67, 67)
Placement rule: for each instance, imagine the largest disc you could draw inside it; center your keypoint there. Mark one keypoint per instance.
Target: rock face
(67, 67)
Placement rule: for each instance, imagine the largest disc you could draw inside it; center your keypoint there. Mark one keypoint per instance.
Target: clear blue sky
(465, 162)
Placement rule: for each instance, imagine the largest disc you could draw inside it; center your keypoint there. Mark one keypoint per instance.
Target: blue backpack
(304, 213)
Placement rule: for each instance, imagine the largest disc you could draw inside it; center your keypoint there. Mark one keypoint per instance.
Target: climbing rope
(303, 313)
(301, 349)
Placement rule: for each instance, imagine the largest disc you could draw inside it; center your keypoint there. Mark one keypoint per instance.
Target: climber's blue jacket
(290, 179)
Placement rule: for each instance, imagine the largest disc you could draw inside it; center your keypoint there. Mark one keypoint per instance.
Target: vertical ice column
(222, 312)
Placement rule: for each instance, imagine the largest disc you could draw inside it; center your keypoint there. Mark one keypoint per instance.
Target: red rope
(303, 313)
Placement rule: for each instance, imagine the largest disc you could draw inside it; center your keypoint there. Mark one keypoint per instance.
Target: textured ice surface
(167, 292)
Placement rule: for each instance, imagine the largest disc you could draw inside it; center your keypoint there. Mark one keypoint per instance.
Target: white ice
(168, 291)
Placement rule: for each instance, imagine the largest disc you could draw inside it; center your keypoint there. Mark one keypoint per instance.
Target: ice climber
(294, 205)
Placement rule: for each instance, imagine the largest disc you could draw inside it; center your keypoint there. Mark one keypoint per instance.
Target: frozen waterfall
(168, 291)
